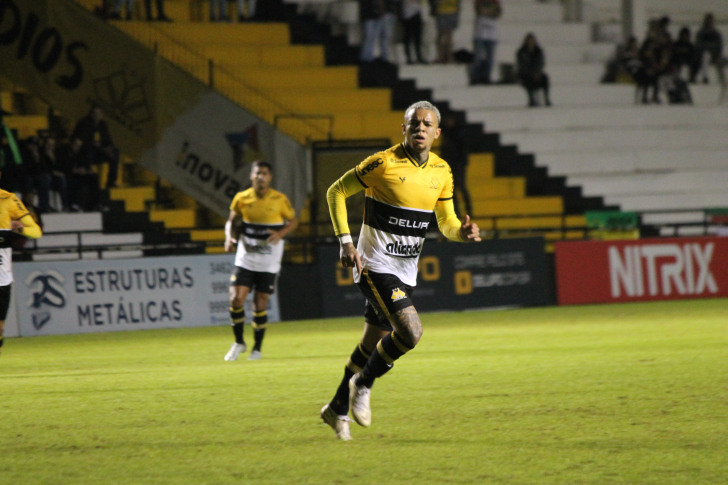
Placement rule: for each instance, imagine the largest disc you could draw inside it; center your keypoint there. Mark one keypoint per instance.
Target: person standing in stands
(83, 182)
(531, 61)
(709, 49)
(447, 14)
(378, 18)
(485, 39)
(97, 146)
(412, 24)
(14, 219)
(260, 217)
(404, 185)
(251, 4)
(161, 17)
(51, 177)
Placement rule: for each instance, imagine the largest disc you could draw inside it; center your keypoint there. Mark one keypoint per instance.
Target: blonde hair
(423, 105)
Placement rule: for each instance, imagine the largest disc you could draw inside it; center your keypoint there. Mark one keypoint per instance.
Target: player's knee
(236, 302)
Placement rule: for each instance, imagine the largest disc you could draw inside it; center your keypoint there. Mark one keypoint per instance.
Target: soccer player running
(259, 219)
(14, 218)
(403, 185)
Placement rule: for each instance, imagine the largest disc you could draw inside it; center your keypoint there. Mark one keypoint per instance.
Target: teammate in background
(259, 218)
(403, 185)
(14, 218)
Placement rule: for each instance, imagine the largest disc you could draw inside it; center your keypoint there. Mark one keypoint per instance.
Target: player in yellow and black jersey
(403, 185)
(259, 218)
(14, 219)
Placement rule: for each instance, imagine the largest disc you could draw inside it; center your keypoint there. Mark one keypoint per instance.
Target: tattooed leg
(407, 332)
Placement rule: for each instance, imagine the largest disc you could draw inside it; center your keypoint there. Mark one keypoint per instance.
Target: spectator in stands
(447, 13)
(652, 62)
(116, 13)
(83, 183)
(251, 4)
(485, 39)
(453, 149)
(530, 61)
(51, 176)
(30, 150)
(221, 11)
(160, 10)
(709, 49)
(412, 24)
(684, 54)
(98, 146)
(378, 18)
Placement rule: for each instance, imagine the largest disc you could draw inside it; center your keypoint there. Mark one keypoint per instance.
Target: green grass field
(627, 394)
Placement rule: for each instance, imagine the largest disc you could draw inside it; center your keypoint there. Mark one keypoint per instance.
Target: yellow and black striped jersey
(259, 216)
(11, 209)
(401, 196)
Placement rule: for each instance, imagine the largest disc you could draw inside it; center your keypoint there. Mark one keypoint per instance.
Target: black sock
(389, 349)
(260, 321)
(237, 317)
(358, 359)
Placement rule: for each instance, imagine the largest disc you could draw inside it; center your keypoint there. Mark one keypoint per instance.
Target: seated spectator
(530, 61)
(97, 146)
(684, 54)
(83, 183)
(11, 160)
(51, 176)
(709, 49)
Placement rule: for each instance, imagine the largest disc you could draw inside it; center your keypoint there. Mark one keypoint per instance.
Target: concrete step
(599, 139)
(572, 113)
(618, 160)
(655, 183)
(670, 201)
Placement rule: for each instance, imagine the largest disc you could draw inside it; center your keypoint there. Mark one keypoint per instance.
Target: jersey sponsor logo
(371, 166)
(396, 221)
(254, 248)
(399, 250)
(438, 166)
(398, 294)
(403, 179)
(400, 161)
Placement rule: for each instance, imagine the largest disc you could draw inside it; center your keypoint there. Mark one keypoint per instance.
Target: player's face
(261, 177)
(420, 130)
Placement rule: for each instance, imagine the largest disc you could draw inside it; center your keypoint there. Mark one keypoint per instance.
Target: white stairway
(666, 157)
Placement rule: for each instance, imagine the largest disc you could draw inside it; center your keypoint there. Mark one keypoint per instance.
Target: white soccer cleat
(338, 423)
(359, 402)
(255, 355)
(235, 351)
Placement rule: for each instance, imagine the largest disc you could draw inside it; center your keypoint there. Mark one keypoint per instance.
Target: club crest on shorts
(398, 294)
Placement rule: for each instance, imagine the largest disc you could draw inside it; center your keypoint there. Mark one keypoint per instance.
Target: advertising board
(643, 270)
(68, 297)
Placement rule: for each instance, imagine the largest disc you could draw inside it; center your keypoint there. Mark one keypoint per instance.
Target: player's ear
(437, 133)
(404, 129)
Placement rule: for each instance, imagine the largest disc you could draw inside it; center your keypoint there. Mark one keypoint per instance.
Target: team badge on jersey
(398, 294)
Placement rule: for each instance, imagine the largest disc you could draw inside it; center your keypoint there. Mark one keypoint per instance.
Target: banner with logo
(176, 126)
(453, 276)
(208, 152)
(112, 295)
(644, 270)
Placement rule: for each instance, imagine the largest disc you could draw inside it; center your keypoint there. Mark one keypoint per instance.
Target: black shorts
(4, 302)
(255, 280)
(386, 294)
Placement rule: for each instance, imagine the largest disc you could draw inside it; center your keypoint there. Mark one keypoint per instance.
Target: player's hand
(274, 237)
(350, 257)
(469, 231)
(230, 245)
(17, 226)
